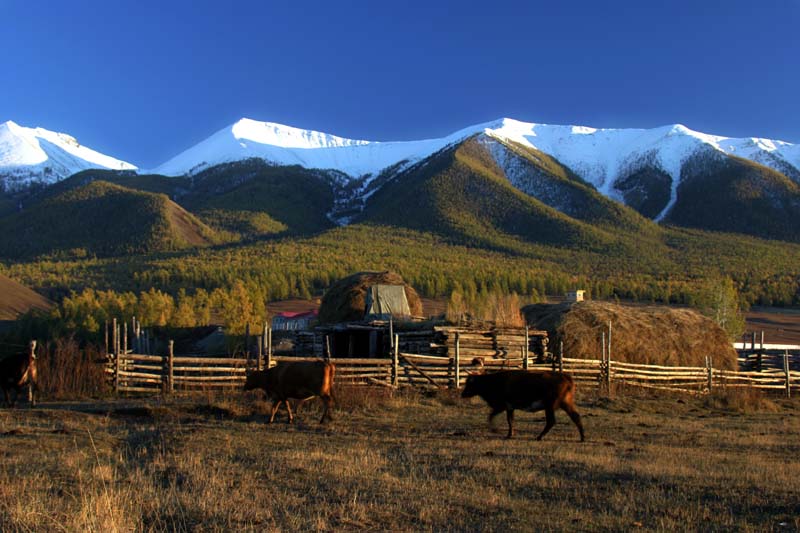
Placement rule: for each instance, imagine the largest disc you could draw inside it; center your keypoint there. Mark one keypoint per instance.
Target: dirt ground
(780, 326)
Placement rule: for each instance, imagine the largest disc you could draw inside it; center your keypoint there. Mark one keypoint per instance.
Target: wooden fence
(140, 373)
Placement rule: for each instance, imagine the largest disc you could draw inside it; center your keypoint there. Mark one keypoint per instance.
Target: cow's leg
(32, 393)
(510, 419)
(327, 401)
(297, 405)
(275, 405)
(550, 420)
(495, 411)
(289, 410)
(576, 418)
(13, 402)
(7, 402)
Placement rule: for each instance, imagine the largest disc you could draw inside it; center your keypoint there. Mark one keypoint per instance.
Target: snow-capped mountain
(602, 157)
(285, 145)
(643, 168)
(38, 156)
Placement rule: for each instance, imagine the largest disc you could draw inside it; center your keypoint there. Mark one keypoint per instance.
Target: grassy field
(402, 461)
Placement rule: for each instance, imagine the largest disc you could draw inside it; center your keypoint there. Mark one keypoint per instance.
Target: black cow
(532, 391)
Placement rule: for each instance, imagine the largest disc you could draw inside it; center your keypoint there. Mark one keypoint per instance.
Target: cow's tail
(569, 387)
(328, 379)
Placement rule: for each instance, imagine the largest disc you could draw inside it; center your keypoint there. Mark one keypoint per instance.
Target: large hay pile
(640, 334)
(345, 301)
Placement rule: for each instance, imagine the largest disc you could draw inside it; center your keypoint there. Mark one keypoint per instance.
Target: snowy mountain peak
(283, 136)
(37, 155)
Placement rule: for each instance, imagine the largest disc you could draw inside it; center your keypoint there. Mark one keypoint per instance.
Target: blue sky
(145, 80)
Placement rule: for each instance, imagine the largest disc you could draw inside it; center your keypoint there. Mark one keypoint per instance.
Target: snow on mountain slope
(37, 155)
(600, 156)
(603, 156)
(284, 145)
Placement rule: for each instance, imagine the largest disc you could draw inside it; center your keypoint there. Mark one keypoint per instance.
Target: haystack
(640, 334)
(345, 300)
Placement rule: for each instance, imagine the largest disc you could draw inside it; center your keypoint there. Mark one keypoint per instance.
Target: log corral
(374, 340)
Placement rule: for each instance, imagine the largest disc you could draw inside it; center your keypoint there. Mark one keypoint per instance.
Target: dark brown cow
(17, 371)
(532, 391)
(301, 380)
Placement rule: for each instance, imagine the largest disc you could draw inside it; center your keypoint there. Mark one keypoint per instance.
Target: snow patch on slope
(37, 155)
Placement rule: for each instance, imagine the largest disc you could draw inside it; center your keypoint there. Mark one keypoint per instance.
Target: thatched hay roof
(344, 301)
(640, 334)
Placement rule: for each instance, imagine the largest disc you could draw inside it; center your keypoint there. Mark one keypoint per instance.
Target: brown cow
(17, 371)
(301, 380)
(532, 391)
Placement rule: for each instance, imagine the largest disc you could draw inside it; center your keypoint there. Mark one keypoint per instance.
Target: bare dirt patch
(780, 326)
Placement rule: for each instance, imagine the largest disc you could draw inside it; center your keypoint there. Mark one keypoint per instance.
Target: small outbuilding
(369, 296)
(287, 321)
(575, 296)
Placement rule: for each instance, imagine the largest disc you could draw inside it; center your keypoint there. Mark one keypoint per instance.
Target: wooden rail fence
(141, 373)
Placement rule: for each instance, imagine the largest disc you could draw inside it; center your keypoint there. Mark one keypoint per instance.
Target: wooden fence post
(114, 335)
(603, 363)
(268, 357)
(561, 356)
(170, 357)
(265, 334)
(395, 360)
(259, 351)
(709, 373)
(134, 336)
(247, 341)
(116, 373)
(786, 373)
(31, 355)
(608, 360)
(525, 362)
(327, 348)
(106, 336)
(457, 361)
(125, 337)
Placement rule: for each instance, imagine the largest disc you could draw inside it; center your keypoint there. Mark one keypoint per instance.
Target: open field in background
(402, 461)
(780, 326)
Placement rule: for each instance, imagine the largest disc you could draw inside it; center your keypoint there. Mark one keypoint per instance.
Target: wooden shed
(373, 340)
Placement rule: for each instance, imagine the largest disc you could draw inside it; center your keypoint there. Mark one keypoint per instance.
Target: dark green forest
(248, 233)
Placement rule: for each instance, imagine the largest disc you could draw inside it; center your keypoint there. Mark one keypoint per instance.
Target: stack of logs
(490, 343)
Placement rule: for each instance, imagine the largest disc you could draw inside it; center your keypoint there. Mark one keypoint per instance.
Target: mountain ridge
(657, 171)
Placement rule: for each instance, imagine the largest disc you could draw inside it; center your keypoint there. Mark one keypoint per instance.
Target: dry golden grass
(645, 334)
(398, 461)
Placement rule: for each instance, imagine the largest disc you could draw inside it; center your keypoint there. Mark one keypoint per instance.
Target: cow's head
(471, 386)
(255, 380)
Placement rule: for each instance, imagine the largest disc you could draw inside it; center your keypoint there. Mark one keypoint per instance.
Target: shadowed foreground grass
(402, 462)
